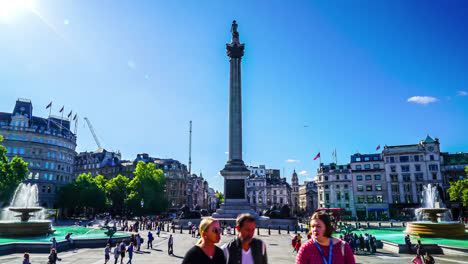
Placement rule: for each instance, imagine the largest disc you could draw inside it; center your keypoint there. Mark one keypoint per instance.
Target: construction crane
(92, 132)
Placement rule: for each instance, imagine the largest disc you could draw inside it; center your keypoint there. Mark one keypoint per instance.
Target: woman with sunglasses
(205, 250)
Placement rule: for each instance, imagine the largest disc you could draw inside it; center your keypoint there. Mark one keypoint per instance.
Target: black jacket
(233, 251)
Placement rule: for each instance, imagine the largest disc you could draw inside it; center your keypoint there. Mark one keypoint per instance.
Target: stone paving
(278, 247)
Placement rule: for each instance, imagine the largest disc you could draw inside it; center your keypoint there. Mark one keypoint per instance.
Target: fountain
(434, 220)
(24, 202)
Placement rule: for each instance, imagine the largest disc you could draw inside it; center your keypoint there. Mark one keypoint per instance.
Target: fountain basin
(25, 229)
(429, 229)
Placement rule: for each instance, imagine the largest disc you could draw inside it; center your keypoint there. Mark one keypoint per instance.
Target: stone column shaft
(235, 110)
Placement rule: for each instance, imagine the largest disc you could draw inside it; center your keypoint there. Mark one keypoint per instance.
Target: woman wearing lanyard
(324, 248)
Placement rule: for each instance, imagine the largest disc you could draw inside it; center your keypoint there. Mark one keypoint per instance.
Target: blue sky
(317, 75)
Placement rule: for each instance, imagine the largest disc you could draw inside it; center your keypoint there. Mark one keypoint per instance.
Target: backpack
(294, 241)
(122, 247)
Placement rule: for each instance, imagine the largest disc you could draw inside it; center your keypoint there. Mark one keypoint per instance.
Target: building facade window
(376, 166)
(404, 168)
(359, 177)
(378, 187)
(368, 177)
(360, 188)
(369, 188)
(379, 198)
(377, 177)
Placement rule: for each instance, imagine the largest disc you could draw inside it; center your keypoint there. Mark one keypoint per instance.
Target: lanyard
(329, 254)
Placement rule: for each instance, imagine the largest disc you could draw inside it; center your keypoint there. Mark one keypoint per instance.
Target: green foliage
(83, 193)
(148, 187)
(458, 191)
(11, 174)
(117, 191)
(100, 181)
(220, 199)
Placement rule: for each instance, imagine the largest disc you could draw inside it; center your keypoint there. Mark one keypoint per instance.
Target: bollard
(391, 224)
(288, 229)
(368, 224)
(173, 229)
(222, 231)
(258, 231)
(234, 229)
(181, 229)
(356, 225)
(302, 228)
(279, 230)
(380, 224)
(402, 224)
(295, 229)
(269, 231)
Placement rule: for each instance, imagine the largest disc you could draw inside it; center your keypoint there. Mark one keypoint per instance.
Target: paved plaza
(278, 247)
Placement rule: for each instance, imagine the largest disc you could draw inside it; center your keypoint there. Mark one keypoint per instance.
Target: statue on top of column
(235, 34)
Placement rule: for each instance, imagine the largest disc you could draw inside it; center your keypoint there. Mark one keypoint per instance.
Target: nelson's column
(235, 173)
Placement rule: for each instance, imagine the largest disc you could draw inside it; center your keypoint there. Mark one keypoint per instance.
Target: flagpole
(48, 119)
(61, 120)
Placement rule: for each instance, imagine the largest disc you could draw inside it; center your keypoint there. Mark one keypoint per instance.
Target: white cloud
(422, 99)
(462, 93)
(226, 152)
(306, 173)
(292, 160)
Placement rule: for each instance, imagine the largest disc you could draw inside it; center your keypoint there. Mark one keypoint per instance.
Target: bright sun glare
(10, 8)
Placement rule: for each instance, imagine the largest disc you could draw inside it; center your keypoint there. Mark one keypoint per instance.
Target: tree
(458, 191)
(83, 193)
(220, 199)
(11, 174)
(147, 189)
(100, 181)
(117, 191)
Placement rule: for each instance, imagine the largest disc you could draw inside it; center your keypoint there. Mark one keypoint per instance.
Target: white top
(247, 257)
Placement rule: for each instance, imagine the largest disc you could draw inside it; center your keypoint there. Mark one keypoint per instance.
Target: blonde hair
(204, 224)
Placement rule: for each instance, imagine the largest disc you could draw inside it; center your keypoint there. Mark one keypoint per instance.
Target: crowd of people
(320, 246)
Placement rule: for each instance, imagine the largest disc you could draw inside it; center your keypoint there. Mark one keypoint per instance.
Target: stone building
(197, 189)
(335, 188)
(308, 198)
(176, 181)
(453, 169)
(369, 186)
(264, 191)
(407, 169)
(46, 144)
(99, 162)
(295, 206)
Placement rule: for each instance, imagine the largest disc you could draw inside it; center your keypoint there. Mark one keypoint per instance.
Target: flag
(61, 110)
(49, 105)
(378, 147)
(69, 114)
(318, 156)
(75, 116)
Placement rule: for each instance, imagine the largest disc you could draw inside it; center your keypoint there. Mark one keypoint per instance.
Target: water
(396, 235)
(431, 199)
(79, 232)
(25, 196)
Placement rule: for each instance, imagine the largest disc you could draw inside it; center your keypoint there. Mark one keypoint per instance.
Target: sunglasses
(216, 231)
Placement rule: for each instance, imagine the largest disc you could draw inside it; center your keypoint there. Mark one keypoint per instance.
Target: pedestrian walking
(170, 245)
(324, 247)
(428, 259)
(123, 247)
(361, 242)
(374, 242)
(244, 248)
(138, 239)
(293, 243)
(52, 256)
(130, 253)
(116, 253)
(419, 248)
(194, 230)
(205, 251)
(26, 258)
(298, 242)
(417, 260)
(150, 240)
(107, 251)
